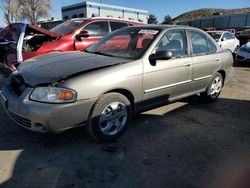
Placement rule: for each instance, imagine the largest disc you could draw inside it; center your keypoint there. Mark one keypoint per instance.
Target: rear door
(205, 59)
(96, 31)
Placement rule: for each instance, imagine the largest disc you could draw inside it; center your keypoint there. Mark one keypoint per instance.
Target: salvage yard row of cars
(229, 40)
(105, 81)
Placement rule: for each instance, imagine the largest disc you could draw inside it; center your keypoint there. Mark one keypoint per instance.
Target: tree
(12, 11)
(167, 20)
(30, 10)
(152, 19)
(36, 9)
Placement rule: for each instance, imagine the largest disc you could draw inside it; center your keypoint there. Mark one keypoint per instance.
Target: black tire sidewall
(101, 103)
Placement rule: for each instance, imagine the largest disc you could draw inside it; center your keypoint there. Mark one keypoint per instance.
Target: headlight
(53, 95)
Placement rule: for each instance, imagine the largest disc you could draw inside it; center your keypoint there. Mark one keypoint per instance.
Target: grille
(22, 121)
(18, 85)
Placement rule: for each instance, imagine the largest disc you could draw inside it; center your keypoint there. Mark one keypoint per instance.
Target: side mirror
(223, 39)
(82, 34)
(160, 55)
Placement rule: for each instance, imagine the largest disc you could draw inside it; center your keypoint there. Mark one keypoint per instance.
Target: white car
(244, 53)
(226, 40)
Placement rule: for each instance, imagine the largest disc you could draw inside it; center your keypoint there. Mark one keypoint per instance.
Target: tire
(109, 117)
(214, 89)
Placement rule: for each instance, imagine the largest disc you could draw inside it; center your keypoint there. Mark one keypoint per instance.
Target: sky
(159, 8)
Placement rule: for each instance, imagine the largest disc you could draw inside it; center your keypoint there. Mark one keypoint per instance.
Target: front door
(96, 30)
(169, 78)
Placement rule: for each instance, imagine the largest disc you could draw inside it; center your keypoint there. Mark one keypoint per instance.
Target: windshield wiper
(85, 50)
(92, 52)
(101, 53)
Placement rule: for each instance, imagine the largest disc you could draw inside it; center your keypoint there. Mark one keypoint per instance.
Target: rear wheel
(109, 117)
(214, 89)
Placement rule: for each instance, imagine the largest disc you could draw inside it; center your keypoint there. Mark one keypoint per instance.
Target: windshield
(130, 43)
(67, 27)
(216, 36)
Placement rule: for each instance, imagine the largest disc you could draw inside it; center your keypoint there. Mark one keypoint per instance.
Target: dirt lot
(186, 144)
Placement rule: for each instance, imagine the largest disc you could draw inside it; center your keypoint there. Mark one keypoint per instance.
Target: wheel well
(127, 94)
(223, 74)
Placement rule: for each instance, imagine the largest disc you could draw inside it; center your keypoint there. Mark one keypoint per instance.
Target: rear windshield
(67, 27)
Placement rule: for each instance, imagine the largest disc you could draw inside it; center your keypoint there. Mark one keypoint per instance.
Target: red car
(19, 41)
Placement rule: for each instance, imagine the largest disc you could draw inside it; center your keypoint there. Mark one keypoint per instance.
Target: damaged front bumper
(44, 117)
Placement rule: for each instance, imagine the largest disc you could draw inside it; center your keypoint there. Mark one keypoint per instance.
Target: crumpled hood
(13, 36)
(13, 31)
(52, 67)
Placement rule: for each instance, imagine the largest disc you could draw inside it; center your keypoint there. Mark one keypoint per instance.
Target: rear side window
(117, 25)
(199, 42)
(97, 28)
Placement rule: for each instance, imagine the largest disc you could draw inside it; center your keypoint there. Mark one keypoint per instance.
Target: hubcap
(113, 118)
(216, 86)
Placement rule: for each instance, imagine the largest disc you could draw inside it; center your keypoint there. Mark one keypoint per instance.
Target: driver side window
(174, 41)
(97, 28)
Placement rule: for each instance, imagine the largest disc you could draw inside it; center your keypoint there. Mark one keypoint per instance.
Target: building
(221, 21)
(91, 9)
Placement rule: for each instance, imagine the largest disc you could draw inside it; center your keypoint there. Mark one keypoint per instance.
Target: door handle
(218, 59)
(187, 64)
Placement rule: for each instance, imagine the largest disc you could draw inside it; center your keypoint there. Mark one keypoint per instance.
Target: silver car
(126, 72)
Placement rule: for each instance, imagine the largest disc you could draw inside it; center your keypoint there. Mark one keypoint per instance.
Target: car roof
(106, 18)
(163, 27)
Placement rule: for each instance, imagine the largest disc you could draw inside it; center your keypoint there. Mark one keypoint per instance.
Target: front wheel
(214, 88)
(109, 117)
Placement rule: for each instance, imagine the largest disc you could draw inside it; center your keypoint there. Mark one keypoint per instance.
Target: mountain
(207, 12)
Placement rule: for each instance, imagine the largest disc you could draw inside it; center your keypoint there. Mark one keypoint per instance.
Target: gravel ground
(186, 144)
